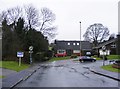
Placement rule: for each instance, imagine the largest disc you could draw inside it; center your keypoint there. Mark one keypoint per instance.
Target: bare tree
(47, 17)
(112, 36)
(96, 33)
(3, 16)
(32, 16)
(11, 16)
(14, 14)
(33, 19)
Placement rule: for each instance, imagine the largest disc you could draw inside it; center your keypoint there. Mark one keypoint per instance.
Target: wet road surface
(67, 73)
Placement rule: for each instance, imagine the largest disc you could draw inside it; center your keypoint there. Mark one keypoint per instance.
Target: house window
(113, 46)
(68, 43)
(78, 44)
(73, 43)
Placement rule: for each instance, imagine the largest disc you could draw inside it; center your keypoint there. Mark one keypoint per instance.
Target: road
(67, 73)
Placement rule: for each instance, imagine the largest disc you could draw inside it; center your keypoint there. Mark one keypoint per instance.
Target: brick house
(73, 47)
(112, 47)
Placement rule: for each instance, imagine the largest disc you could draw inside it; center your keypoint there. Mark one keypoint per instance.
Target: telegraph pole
(80, 40)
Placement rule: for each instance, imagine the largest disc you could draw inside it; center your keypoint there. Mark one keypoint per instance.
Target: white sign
(107, 52)
(104, 48)
(31, 48)
(20, 54)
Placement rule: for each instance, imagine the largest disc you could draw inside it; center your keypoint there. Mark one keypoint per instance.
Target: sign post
(19, 61)
(104, 48)
(20, 55)
(31, 48)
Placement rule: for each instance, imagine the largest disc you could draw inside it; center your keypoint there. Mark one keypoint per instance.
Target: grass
(2, 76)
(12, 65)
(59, 58)
(97, 58)
(110, 68)
(0, 63)
(113, 56)
(109, 57)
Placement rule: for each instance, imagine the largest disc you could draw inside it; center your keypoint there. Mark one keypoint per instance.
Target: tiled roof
(62, 44)
(105, 43)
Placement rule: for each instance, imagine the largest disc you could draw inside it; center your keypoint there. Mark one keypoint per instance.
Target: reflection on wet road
(67, 73)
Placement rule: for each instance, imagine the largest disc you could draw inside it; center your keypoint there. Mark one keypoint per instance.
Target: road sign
(20, 54)
(30, 51)
(104, 48)
(31, 48)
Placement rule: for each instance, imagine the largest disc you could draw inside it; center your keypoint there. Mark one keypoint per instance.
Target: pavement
(7, 72)
(12, 80)
(112, 75)
(109, 74)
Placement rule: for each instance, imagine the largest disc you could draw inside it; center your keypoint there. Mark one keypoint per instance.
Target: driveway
(5, 72)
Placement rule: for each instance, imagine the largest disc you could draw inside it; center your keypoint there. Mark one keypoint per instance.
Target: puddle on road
(49, 66)
(33, 83)
(59, 66)
(71, 69)
(103, 81)
(83, 74)
(86, 67)
(45, 66)
(42, 73)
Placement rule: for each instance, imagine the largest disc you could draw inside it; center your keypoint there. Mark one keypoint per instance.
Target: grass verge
(109, 57)
(12, 65)
(59, 58)
(113, 56)
(110, 68)
(97, 58)
(2, 76)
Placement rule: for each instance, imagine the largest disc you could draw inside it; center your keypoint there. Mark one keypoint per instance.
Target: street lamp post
(104, 48)
(80, 40)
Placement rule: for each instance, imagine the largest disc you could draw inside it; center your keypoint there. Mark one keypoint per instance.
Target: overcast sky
(70, 12)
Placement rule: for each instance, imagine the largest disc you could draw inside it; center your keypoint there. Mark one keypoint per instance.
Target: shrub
(42, 56)
(26, 58)
(73, 56)
(39, 56)
(49, 53)
(9, 58)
